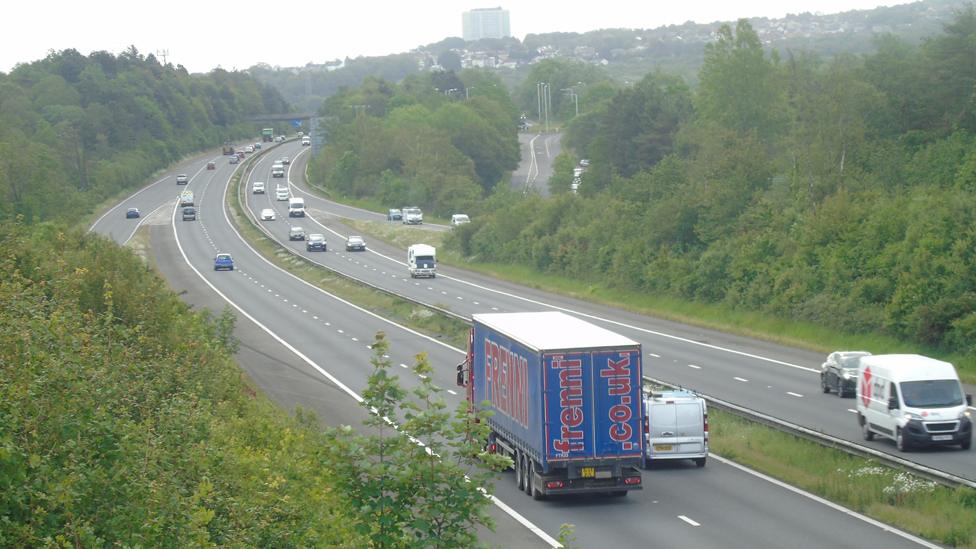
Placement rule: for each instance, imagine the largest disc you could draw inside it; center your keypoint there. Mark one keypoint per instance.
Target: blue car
(223, 261)
(132, 213)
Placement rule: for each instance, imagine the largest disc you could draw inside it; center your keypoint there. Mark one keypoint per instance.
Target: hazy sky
(203, 34)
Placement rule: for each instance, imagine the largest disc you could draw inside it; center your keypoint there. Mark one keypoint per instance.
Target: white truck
(296, 207)
(913, 400)
(422, 261)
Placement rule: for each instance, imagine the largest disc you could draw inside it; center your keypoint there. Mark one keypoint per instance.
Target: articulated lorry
(566, 401)
(267, 135)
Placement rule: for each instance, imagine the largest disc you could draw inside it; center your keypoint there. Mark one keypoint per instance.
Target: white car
(257, 187)
(460, 219)
(281, 194)
(267, 214)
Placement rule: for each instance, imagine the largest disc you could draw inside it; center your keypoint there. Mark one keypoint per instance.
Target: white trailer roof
(553, 330)
(900, 368)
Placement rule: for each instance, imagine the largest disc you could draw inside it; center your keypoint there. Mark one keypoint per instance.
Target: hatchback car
(355, 244)
(296, 233)
(394, 215)
(240, 155)
(189, 213)
(257, 146)
(234, 160)
(223, 261)
(182, 179)
(839, 372)
(267, 214)
(285, 160)
(132, 213)
(257, 187)
(315, 243)
(211, 165)
(249, 149)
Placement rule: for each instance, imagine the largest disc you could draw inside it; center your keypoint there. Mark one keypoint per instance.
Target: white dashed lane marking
(688, 520)
(852, 410)
(797, 395)
(696, 367)
(742, 379)
(451, 391)
(402, 365)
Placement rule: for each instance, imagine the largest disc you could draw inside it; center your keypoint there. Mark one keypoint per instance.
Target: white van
(676, 427)
(913, 400)
(296, 207)
(422, 260)
(278, 170)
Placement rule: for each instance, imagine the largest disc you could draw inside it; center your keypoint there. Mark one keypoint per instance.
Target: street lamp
(575, 96)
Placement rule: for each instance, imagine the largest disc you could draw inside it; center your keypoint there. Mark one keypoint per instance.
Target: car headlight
(912, 415)
(848, 375)
(965, 414)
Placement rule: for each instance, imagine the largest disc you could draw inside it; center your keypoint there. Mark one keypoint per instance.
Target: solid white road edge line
(832, 505)
(141, 221)
(499, 503)
(585, 315)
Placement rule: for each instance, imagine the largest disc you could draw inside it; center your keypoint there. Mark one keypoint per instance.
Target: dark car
(839, 372)
(189, 213)
(211, 165)
(223, 261)
(355, 244)
(315, 243)
(394, 215)
(131, 213)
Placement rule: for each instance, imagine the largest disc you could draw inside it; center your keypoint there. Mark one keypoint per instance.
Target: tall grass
(890, 495)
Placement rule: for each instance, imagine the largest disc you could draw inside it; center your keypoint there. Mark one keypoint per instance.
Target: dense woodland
(841, 192)
(77, 129)
(440, 140)
(123, 419)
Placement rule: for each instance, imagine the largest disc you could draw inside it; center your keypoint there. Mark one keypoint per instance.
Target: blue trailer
(566, 397)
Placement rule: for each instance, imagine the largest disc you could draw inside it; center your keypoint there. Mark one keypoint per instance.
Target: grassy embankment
(886, 494)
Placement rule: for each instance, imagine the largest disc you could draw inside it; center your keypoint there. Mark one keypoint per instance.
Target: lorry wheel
(900, 441)
(865, 430)
(700, 462)
(527, 474)
(519, 471)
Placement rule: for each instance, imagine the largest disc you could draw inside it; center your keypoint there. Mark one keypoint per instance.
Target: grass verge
(910, 503)
(804, 335)
(417, 317)
(916, 505)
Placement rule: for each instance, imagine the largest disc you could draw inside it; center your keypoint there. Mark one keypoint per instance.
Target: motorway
(780, 381)
(307, 348)
(538, 152)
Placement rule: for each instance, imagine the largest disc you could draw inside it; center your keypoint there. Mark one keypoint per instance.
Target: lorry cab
(422, 261)
(912, 400)
(676, 427)
(186, 198)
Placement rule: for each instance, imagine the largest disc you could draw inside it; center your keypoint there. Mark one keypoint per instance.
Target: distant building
(485, 23)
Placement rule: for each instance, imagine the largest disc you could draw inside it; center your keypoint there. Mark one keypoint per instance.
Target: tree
(739, 87)
(422, 479)
(450, 60)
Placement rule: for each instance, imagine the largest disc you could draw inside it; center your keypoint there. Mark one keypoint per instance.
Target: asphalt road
(777, 380)
(307, 348)
(538, 152)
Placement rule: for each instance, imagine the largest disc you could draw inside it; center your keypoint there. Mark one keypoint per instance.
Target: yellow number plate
(588, 472)
(662, 447)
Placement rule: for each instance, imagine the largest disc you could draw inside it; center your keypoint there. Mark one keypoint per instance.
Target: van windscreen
(933, 393)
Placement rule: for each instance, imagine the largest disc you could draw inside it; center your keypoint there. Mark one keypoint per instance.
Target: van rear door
(675, 426)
